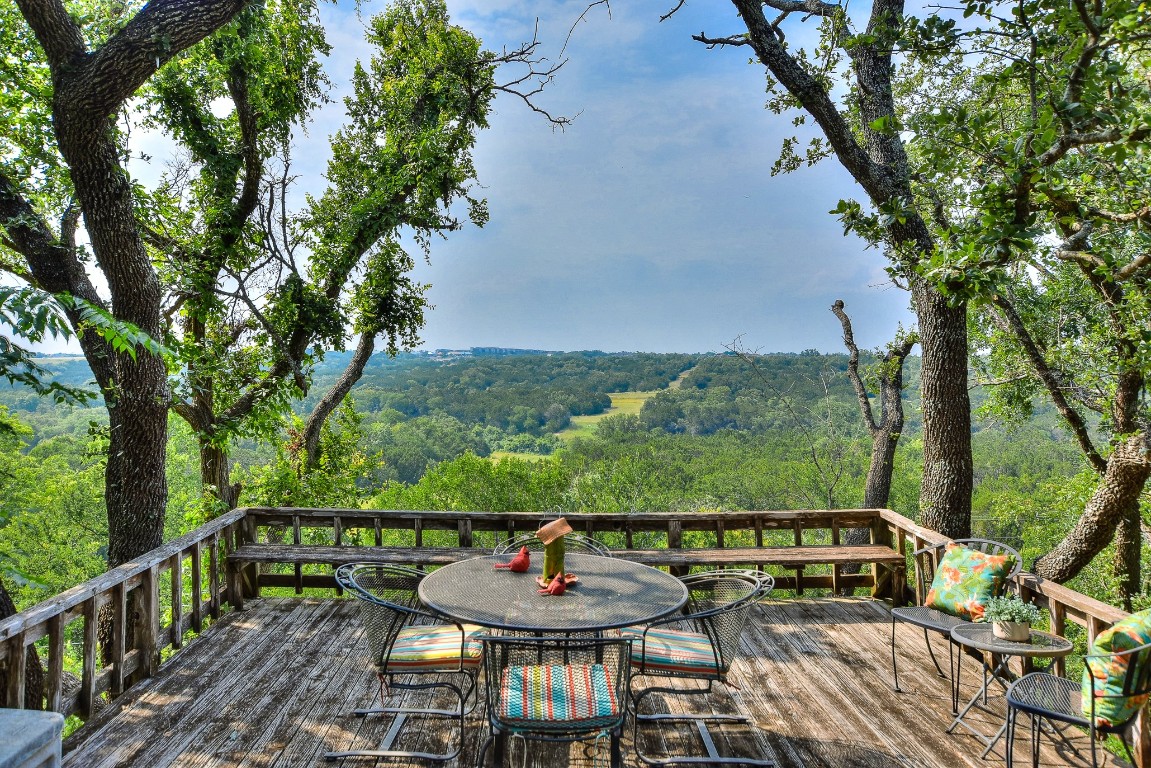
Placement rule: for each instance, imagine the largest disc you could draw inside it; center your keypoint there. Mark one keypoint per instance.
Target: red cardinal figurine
(519, 563)
(556, 587)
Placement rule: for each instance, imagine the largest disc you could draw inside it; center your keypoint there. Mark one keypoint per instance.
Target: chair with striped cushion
(700, 644)
(555, 689)
(410, 649)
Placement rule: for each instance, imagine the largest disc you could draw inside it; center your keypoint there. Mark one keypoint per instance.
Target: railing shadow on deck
(154, 603)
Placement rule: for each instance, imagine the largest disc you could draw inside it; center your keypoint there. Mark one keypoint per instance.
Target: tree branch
(1051, 382)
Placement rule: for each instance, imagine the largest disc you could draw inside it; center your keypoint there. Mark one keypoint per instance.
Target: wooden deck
(273, 685)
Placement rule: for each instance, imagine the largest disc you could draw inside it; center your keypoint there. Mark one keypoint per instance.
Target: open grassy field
(584, 426)
(621, 403)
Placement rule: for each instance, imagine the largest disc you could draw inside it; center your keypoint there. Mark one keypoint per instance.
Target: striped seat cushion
(581, 694)
(434, 647)
(672, 651)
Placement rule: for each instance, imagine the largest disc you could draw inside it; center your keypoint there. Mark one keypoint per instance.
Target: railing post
(17, 657)
(675, 541)
(54, 682)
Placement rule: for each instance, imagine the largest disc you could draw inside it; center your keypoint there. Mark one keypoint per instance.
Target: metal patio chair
(699, 644)
(411, 650)
(932, 620)
(573, 542)
(1049, 697)
(557, 689)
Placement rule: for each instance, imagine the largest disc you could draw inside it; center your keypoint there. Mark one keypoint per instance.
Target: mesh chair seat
(435, 647)
(1046, 695)
(928, 618)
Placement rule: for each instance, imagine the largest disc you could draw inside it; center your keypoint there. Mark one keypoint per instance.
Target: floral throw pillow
(966, 579)
(1103, 677)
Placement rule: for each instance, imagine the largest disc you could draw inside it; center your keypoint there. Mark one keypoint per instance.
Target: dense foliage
(782, 435)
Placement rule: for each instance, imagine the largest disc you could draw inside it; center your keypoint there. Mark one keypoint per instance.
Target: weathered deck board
(273, 686)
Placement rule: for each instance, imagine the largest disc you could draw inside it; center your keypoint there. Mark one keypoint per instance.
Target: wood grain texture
(275, 686)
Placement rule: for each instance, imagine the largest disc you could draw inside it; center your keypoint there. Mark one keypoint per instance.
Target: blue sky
(652, 223)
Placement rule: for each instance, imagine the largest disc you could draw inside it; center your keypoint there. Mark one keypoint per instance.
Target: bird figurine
(556, 587)
(519, 563)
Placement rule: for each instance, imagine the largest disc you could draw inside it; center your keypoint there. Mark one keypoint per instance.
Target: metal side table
(1040, 645)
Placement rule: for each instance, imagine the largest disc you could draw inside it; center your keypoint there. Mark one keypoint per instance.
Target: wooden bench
(891, 564)
(244, 578)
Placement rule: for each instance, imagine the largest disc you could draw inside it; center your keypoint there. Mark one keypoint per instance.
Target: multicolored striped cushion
(434, 647)
(673, 651)
(570, 693)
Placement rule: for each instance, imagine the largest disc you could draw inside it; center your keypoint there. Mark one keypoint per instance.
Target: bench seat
(890, 563)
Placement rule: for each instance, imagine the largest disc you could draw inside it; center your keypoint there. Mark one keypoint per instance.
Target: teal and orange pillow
(1103, 677)
(966, 579)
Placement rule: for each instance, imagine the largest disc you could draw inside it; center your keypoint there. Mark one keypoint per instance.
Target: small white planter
(1016, 631)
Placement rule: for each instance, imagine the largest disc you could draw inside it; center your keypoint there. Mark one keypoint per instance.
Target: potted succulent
(1010, 617)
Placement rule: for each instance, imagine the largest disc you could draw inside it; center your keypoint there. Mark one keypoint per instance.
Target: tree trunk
(945, 493)
(216, 474)
(878, 162)
(1116, 499)
(33, 672)
(1128, 542)
(136, 484)
(331, 400)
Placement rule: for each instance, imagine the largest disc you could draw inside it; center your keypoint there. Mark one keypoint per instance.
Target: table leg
(997, 674)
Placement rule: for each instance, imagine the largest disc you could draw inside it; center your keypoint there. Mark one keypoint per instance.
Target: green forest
(778, 431)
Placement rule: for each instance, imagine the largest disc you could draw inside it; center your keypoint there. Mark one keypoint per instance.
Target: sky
(651, 223)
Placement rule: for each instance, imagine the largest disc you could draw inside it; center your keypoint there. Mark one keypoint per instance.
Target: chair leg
(700, 721)
(1012, 714)
(401, 716)
(930, 652)
(894, 665)
(1036, 730)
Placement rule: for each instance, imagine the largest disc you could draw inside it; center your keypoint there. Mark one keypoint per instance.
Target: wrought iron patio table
(981, 637)
(610, 593)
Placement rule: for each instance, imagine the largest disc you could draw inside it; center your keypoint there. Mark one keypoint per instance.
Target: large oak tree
(94, 68)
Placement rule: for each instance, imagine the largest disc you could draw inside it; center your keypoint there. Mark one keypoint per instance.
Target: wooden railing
(185, 575)
(146, 607)
(482, 530)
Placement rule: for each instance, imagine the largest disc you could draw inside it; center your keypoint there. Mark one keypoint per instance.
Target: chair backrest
(584, 680)
(1134, 681)
(387, 599)
(573, 542)
(926, 572)
(718, 603)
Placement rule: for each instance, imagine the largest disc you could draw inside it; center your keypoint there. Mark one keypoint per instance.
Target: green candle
(553, 559)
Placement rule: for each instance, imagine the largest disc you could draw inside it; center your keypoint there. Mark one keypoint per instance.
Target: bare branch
(671, 13)
(853, 368)
(716, 42)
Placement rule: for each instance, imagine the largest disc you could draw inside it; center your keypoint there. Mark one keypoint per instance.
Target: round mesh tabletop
(610, 593)
(1041, 645)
